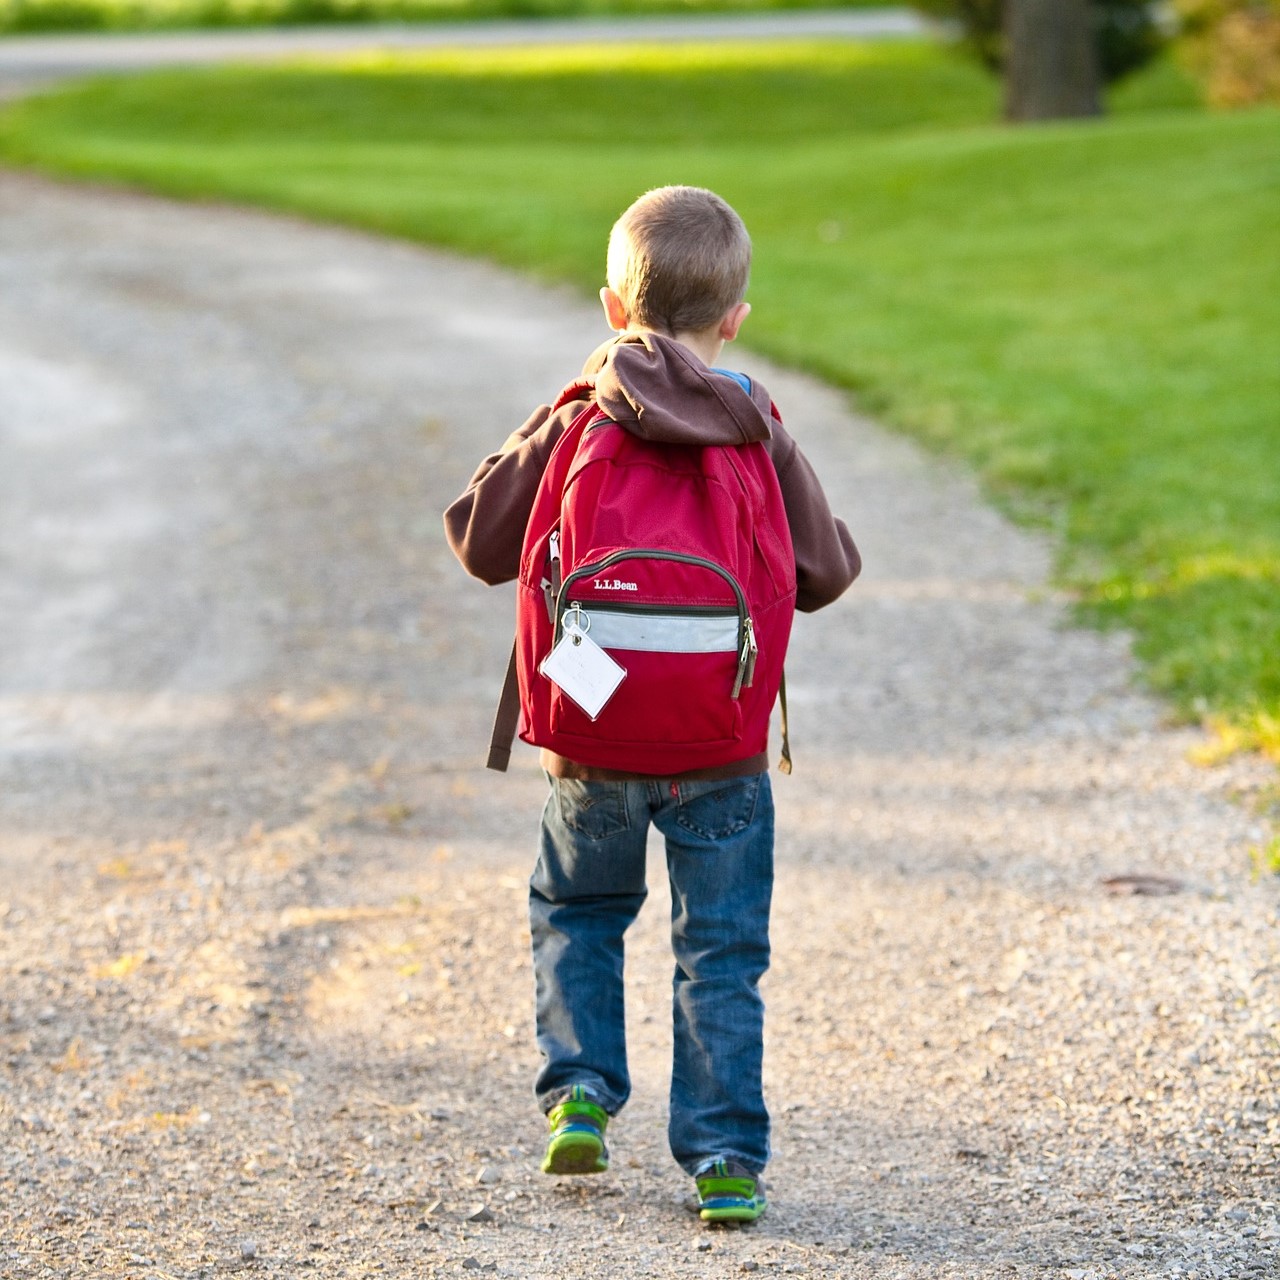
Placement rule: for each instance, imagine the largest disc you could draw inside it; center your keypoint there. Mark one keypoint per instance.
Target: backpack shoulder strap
(506, 719)
(582, 389)
(784, 765)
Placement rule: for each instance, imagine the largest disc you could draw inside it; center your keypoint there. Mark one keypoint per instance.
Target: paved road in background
(31, 60)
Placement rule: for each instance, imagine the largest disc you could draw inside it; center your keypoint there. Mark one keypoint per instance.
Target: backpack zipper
(747, 647)
(660, 610)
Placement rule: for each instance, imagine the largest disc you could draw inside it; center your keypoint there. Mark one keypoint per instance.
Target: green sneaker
(728, 1192)
(576, 1144)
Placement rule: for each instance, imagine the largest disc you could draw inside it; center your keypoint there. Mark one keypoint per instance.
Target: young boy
(678, 263)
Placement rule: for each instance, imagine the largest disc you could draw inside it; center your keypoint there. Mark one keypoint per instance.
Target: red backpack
(676, 561)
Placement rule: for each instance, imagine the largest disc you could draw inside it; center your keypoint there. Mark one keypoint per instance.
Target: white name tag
(584, 672)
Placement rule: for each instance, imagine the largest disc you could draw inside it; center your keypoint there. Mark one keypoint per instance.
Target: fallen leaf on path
(121, 967)
(73, 1059)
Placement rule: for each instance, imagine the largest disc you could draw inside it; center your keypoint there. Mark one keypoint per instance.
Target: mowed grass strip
(1086, 312)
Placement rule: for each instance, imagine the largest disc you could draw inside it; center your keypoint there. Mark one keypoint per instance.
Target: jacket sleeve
(827, 561)
(485, 525)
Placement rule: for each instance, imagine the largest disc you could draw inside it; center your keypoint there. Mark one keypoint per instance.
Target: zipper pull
(556, 576)
(551, 585)
(746, 659)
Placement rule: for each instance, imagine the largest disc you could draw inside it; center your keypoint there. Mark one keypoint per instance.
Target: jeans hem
(553, 1099)
(701, 1166)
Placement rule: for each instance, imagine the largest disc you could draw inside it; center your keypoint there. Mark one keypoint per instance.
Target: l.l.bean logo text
(614, 584)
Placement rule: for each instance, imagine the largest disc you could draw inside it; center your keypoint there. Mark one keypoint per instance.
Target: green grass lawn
(151, 15)
(1088, 313)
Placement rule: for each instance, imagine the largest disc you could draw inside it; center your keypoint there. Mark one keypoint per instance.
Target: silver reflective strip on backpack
(663, 632)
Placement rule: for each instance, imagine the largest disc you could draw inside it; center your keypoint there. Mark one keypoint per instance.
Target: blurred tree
(1234, 48)
(1053, 47)
(1051, 60)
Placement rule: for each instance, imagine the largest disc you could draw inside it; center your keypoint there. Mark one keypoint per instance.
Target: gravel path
(264, 991)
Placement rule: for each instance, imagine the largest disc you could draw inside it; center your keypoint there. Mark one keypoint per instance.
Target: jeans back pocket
(717, 810)
(596, 810)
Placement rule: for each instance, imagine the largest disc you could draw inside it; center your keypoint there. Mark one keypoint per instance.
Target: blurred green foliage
(1234, 47)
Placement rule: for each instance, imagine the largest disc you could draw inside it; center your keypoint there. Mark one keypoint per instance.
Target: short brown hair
(679, 259)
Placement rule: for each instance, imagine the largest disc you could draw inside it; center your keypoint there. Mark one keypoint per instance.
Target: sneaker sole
(576, 1153)
(746, 1211)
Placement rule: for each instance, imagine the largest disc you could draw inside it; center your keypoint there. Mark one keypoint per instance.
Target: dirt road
(264, 990)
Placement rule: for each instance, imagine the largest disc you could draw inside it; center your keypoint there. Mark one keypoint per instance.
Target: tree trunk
(1051, 68)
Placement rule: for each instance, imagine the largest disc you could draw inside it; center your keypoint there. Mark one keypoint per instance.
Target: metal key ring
(579, 624)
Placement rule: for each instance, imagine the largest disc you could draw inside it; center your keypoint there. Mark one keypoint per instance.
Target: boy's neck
(706, 345)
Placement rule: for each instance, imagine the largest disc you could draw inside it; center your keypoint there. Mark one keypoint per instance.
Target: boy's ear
(615, 310)
(732, 321)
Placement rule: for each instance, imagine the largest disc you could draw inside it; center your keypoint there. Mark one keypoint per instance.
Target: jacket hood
(659, 390)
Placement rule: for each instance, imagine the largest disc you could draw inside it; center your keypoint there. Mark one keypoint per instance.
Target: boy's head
(679, 259)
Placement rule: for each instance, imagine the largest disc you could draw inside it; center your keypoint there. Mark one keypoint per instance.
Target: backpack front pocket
(682, 669)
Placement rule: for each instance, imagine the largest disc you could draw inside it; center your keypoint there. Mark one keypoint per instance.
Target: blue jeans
(589, 885)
